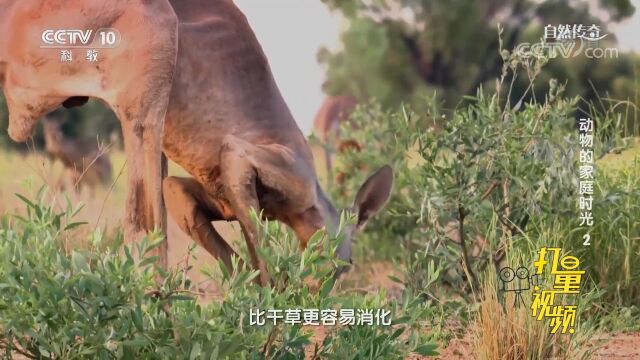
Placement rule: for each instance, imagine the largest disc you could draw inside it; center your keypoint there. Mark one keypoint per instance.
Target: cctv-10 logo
(74, 38)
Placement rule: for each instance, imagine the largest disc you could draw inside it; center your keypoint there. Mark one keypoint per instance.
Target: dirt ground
(618, 347)
(374, 276)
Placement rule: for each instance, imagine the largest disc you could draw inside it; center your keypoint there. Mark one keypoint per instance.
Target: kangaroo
(83, 160)
(335, 110)
(243, 147)
(133, 78)
(207, 93)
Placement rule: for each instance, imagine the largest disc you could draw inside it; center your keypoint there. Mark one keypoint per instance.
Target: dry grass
(626, 159)
(506, 332)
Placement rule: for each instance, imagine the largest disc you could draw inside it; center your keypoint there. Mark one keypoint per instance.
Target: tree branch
(463, 245)
(488, 192)
(14, 347)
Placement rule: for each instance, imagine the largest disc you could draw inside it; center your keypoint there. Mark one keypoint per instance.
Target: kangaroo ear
(373, 194)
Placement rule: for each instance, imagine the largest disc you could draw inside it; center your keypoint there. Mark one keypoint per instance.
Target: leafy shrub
(105, 301)
(611, 259)
(489, 178)
(484, 164)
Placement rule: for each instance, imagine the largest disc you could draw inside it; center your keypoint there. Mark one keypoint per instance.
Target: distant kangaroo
(334, 111)
(83, 160)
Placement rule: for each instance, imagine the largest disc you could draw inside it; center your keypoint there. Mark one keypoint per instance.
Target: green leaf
(153, 246)
(397, 333)
(135, 343)
(136, 317)
(401, 320)
(196, 350)
(74, 225)
(427, 350)
(26, 201)
(79, 261)
(148, 260)
(326, 287)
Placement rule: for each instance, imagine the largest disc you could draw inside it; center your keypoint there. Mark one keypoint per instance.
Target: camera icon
(517, 281)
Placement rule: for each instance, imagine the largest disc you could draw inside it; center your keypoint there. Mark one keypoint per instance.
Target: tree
(401, 50)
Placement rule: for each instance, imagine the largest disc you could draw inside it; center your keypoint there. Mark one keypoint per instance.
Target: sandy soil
(373, 277)
(620, 346)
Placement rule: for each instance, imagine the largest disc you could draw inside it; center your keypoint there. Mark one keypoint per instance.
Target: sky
(627, 31)
(292, 31)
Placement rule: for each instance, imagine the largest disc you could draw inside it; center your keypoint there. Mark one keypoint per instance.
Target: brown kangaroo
(134, 79)
(83, 160)
(226, 121)
(334, 111)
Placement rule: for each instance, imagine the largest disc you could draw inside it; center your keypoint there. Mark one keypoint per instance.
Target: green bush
(612, 257)
(492, 178)
(487, 171)
(110, 301)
